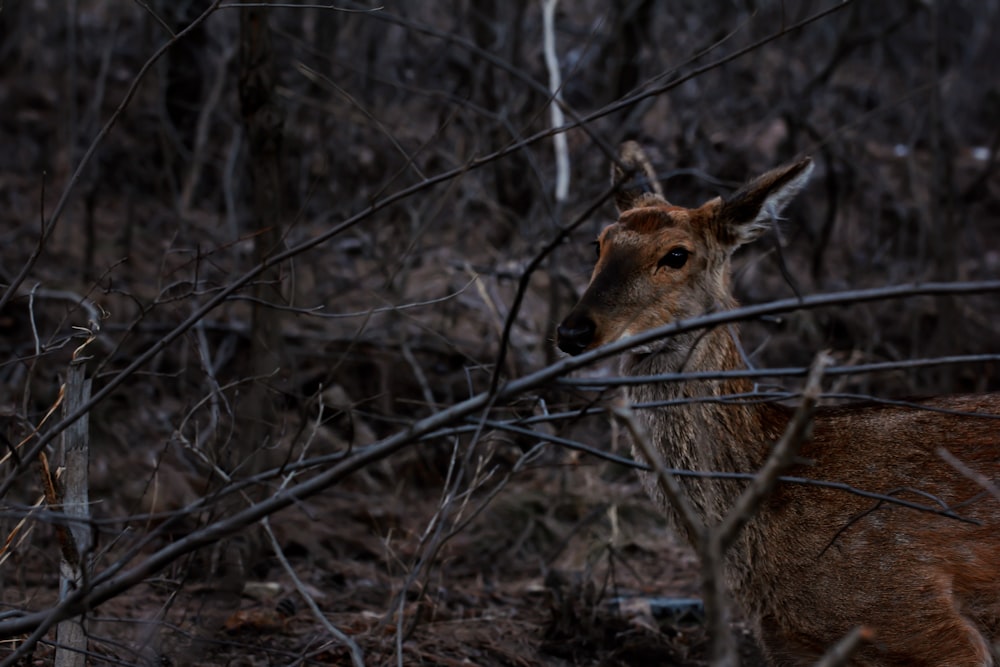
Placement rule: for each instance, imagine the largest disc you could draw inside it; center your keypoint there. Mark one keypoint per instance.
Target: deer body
(814, 562)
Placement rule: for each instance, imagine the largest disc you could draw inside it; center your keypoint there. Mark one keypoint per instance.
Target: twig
(440, 529)
(525, 280)
(201, 135)
(982, 480)
(604, 383)
(321, 79)
(313, 311)
(418, 373)
(940, 508)
(718, 540)
(713, 542)
(840, 653)
(357, 658)
(334, 8)
(11, 543)
(692, 522)
(38, 351)
(705, 539)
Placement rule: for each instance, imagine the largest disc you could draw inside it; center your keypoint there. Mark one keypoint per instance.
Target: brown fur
(815, 562)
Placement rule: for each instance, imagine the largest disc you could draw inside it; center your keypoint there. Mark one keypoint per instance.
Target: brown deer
(814, 562)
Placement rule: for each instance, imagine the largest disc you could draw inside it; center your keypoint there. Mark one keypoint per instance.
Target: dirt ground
(527, 582)
(398, 164)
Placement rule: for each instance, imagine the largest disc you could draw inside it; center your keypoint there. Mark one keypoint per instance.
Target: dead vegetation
(432, 503)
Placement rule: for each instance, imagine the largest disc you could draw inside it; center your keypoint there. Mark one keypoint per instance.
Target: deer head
(660, 263)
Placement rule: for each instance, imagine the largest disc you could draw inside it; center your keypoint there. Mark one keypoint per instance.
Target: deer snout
(575, 334)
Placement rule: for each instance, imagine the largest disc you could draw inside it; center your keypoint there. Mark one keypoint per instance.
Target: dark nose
(575, 334)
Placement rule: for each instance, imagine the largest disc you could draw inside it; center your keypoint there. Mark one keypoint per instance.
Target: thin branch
(780, 306)
(982, 480)
(357, 657)
(940, 508)
(718, 539)
(323, 80)
(207, 108)
(604, 383)
(841, 653)
(289, 5)
(691, 521)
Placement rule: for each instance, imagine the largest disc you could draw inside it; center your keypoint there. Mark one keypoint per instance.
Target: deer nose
(575, 334)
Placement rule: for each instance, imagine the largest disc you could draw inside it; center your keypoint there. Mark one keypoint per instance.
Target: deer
(814, 562)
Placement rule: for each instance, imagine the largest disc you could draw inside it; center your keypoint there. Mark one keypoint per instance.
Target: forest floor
(582, 577)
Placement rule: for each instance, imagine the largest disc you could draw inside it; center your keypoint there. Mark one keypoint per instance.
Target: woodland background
(300, 245)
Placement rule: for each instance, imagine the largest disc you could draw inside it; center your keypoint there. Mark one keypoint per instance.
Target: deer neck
(693, 424)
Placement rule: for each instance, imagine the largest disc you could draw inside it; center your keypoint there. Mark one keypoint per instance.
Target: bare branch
(841, 653)
(604, 383)
(692, 522)
(989, 485)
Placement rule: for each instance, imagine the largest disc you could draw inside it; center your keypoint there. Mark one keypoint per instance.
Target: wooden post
(71, 635)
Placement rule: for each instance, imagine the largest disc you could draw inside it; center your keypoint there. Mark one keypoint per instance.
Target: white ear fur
(776, 202)
(754, 208)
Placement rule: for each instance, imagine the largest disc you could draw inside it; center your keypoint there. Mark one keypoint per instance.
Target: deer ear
(634, 179)
(751, 210)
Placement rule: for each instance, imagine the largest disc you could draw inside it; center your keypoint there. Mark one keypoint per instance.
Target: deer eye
(675, 259)
(597, 249)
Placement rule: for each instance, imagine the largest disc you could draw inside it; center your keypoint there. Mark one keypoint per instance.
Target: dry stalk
(982, 480)
(692, 522)
(840, 653)
(782, 456)
(207, 108)
(357, 657)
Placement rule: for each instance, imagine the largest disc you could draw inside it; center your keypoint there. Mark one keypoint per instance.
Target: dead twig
(357, 657)
(982, 480)
(841, 653)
